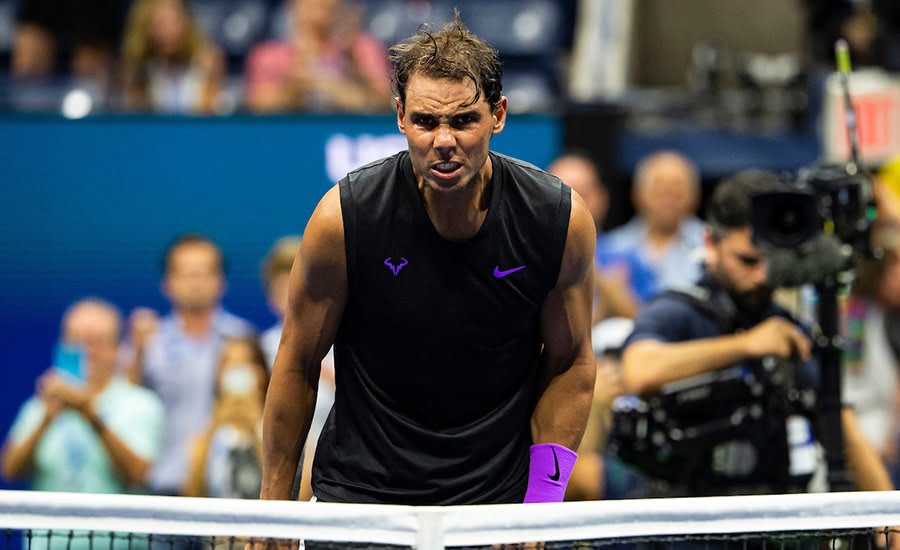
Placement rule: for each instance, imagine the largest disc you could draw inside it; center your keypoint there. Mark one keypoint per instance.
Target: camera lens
(784, 219)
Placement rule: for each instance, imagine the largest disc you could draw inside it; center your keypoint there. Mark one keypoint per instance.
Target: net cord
(430, 528)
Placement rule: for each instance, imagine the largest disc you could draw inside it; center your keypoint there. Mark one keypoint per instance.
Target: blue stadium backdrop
(87, 206)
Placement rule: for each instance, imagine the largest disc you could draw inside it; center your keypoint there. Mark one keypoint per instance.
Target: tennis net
(66, 521)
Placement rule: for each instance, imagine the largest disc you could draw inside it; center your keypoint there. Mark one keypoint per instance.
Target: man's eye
(464, 120)
(424, 121)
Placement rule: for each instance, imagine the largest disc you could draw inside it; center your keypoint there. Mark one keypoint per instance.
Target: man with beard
(728, 319)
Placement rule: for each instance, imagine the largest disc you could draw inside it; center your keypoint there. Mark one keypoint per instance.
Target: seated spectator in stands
(86, 32)
(578, 171)
(177, 356)
(86, 429)
(226, 458)
(169, 66)
(662, 246)
(276, 280)
(328, 64)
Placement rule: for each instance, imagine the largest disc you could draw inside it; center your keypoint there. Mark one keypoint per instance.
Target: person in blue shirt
(660, 247)
(177, 356)
(676, 338)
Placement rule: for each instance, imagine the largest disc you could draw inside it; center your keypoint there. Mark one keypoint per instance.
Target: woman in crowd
(226, 457)
(328, 64)
(169, 65)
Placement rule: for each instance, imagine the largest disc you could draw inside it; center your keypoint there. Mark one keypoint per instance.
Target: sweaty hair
(189, 239)
(731, 204)
(452, 53)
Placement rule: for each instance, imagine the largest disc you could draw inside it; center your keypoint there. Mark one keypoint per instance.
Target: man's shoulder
(625, 238)
(523, 171)
(232, 325)
(675, 316)
(377, 168)
(133, 397)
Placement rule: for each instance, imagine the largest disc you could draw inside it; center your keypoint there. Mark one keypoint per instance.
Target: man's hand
(58, 395)
(776, 336)
(52, 405)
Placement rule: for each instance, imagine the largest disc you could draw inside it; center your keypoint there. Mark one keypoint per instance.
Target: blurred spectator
(86, 429)
(871, 29)
(276, 279)
(177, 356)
(661, 247)
(169, 66)
(276, 273)
(578, 171)
(328, 64)
(872, 349)
(227, 457)
(86, 32)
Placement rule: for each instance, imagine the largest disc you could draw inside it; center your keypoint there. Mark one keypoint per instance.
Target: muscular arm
(318, 293)
(568, 371)
(649, 364)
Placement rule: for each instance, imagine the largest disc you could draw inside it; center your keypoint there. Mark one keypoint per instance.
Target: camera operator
(677, 338)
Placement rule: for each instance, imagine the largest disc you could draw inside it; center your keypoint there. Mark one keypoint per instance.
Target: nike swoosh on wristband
(500, 274)
(555, 476)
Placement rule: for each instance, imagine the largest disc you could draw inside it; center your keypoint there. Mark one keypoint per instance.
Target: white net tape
(438, 527)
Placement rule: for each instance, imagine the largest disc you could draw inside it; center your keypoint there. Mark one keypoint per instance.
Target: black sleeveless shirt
(437, 354)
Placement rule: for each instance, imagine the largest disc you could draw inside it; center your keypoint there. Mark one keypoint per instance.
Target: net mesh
(843, 521)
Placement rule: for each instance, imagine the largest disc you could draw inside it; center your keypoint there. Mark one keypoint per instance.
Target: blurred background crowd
(652, 102)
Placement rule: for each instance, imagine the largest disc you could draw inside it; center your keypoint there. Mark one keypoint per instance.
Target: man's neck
(196, 323)
(660, 238)
(458, 215)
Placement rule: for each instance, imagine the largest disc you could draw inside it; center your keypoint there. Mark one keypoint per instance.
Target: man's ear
(499, 115)
(400, 112)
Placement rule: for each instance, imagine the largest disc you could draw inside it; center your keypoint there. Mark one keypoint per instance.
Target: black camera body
(815, 225)
(718, 431)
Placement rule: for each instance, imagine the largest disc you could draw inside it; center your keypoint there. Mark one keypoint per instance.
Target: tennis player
(455, 284)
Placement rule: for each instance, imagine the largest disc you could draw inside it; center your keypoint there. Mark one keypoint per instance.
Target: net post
(430, 533)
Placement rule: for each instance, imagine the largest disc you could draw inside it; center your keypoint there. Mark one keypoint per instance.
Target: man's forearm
(19, 458)
(289, 409)
(647, 365)
(131, 467)
(562, 410)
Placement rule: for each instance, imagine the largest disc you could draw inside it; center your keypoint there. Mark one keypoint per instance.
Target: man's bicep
(318, 283)
(566, 315)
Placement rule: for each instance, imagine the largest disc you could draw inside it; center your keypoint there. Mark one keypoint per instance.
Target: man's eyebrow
(469, 112)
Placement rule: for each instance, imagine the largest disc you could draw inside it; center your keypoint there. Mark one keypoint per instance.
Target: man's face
(448, 138)
(582, 177)
(740, 268)
(96, 331)
(194, 280)
(666, 196)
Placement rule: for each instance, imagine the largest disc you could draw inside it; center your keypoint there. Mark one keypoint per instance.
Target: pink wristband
(549, 472)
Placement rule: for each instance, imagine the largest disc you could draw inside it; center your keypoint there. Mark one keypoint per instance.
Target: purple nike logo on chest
(500, 274)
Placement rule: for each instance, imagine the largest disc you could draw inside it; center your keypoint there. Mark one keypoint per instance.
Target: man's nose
(444, 140)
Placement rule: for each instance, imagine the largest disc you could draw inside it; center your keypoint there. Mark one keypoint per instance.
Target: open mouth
(446, 170)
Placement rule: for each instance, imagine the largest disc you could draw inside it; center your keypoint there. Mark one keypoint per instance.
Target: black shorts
(76, 22)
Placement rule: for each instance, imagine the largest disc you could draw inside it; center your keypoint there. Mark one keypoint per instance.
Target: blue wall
(86, 208)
